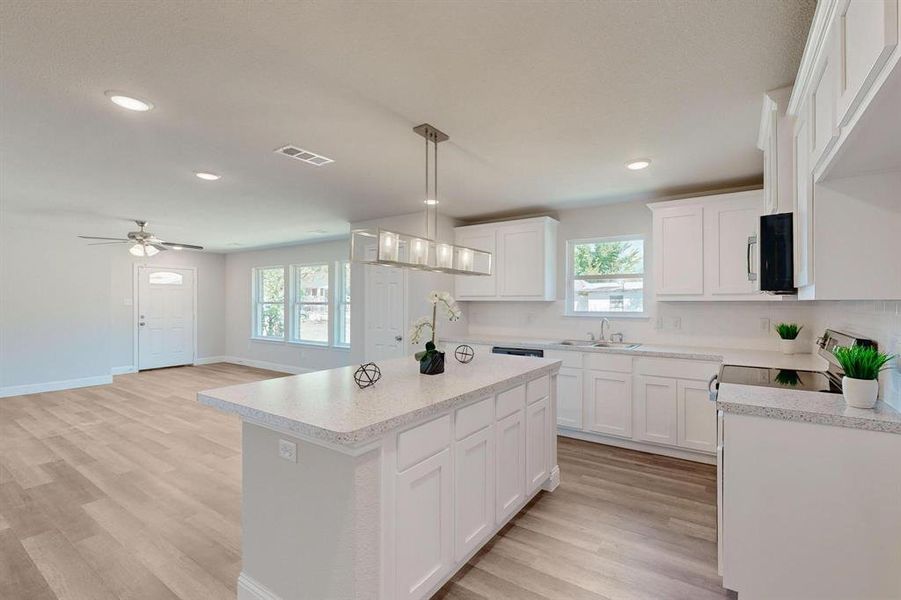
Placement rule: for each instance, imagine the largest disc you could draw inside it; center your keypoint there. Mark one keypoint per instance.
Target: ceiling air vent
(311, 158)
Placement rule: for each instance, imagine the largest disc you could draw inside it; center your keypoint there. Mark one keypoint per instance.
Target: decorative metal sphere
(464, 353)
(367, 375)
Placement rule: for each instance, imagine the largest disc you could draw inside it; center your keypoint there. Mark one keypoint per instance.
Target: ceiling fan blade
(188, 246)
(108, 243)
(91, 237)
(158, 246)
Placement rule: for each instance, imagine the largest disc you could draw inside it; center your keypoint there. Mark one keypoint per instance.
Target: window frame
(296, 305)
(342, 302)
(569, 311)
(257, 301)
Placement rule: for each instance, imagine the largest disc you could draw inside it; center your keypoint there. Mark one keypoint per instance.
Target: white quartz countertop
(810, 407)
(732, 356)
(328, 406)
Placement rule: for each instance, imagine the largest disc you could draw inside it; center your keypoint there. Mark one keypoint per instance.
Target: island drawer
(538, 389)
(473, 418)
(417, 444)
(510, 401)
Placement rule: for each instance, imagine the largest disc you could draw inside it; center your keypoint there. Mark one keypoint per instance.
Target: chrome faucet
(605, 323)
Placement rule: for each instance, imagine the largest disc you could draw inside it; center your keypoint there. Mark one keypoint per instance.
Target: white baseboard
(251, 589)
(123, 370)
(701, 457)
(54, 386)
(208, 360)
(262, 364)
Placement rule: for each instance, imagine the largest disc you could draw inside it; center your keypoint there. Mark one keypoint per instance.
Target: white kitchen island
(385, 492)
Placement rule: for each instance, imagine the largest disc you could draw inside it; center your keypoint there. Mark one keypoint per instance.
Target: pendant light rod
(435, 136)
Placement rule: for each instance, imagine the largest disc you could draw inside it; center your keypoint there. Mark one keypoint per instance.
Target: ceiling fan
(143, 242)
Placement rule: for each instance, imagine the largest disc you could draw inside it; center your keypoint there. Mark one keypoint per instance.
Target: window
(269, 302)
(342, 304)
(605, 275)
(311, 304)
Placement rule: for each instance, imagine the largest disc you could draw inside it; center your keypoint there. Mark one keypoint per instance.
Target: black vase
(432, 363)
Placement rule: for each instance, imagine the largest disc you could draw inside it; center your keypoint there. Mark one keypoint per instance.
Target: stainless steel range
(829, 380)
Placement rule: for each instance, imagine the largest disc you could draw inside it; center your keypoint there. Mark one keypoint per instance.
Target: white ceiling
(544, 102)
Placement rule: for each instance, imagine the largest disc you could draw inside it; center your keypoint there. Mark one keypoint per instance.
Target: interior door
(385, 312)
(165, 317)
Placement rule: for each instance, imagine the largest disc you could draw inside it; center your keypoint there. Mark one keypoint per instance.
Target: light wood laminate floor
(132, 491)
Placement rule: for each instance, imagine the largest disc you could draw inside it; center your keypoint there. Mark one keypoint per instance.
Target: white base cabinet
(652, 404)
(474, 469)
(511, 474)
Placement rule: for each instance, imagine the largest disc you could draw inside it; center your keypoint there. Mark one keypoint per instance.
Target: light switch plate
(287, 450)
(764, 324)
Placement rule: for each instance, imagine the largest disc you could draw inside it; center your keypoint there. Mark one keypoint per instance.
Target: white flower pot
(789, 346)
(860, 393)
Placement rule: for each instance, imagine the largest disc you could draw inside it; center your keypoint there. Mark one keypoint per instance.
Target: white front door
(385, 313)
(165, 317)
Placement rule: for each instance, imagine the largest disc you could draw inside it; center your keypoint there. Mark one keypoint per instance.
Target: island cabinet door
(538, 444)
(511, 471)
(474, 491)
(424, 522)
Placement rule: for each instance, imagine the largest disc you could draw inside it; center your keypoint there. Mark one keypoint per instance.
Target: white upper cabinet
(867, 34)
(824, 124)
(774, 140)
(525, 260)
(679, 249)
(706, 248)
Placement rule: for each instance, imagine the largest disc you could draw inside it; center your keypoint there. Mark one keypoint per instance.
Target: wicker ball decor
(367, 375)
(464, 353)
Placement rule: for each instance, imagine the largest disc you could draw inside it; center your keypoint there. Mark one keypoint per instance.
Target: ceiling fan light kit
(420, 252)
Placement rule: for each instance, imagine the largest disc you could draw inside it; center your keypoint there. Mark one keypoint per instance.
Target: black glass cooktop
(812, 381)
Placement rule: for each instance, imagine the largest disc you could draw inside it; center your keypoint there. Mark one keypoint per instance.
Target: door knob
(398, 338)
(141, 323)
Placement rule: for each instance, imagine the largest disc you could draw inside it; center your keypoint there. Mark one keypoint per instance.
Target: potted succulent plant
(431, 360)
(861, 364)
(789, 334)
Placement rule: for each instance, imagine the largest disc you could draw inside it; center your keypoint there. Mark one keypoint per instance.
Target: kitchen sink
(593, 344)
(623, 345)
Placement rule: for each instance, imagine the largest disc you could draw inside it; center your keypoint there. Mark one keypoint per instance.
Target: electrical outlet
(659, 323)
(126, 302)
(677, 323)
(765, 324)
(287, 450)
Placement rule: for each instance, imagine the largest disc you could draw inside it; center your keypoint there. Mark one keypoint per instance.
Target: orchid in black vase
(431, 360)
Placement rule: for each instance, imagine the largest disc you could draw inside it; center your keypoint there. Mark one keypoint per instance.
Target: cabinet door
(803, 222)
(474, 491)
(679, 250)
(608, 402)
(569, 398)
(868, 33)
(510, 465)
(732, 251)
(655, 404)
(538, 444)
(824, 128)
(697, 416)
(521, 260)
(424, 520)
(468, 287)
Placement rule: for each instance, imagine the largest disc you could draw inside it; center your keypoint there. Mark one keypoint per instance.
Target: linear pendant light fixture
(420, 252)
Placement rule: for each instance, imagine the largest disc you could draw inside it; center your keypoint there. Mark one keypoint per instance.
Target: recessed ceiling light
(129, 102)
(639, 164)
(207, 176)
(430, 202)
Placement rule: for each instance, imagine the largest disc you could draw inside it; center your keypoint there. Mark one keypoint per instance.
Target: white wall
(210, 309)
(725, 324)
(54, 310)
(237, 324)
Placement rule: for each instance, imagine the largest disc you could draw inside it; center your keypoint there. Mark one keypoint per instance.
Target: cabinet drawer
(510, 401)
(676, 367)
(421, 442)
(473, 417)
(609, 362)
(572, 360)
(538, 389)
